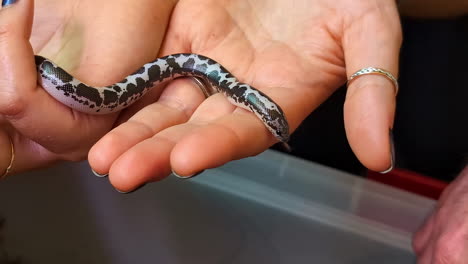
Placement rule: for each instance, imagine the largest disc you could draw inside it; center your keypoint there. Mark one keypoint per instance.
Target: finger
(216, 133)
(20, 153)
(422, 237)
(426, 256)
(175, 106)
(223, 138)
(149, 160)
(32, 111)
(370, 102)
(230, 136)
(15, 30)
(153, 154)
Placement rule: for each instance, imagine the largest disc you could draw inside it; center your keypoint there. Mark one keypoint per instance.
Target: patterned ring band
(12, 159)
(373, 70)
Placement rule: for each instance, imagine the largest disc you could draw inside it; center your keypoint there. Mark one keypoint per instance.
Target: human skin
(179, 130)
(62, 32)
(88, 38)
(442, 238)
(297, 52)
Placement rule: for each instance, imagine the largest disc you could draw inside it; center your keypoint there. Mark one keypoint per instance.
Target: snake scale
(102, 100)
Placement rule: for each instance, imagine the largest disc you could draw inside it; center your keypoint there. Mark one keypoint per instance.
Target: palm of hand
(293, 54)
(297, 59)
(81, 36)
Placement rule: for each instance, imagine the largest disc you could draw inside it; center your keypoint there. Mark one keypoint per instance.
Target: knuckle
(11, 103)
(447, 250)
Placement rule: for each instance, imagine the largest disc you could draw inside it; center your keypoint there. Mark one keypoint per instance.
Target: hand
(442, 239)
(94, 40)
(294, 51)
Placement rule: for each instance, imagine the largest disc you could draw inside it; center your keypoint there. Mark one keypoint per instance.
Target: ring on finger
(204, 86)
(374, 71)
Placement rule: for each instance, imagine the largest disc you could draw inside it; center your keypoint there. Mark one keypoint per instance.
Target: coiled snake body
(102, 100)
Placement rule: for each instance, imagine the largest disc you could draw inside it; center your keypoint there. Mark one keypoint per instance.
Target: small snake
(102, 100)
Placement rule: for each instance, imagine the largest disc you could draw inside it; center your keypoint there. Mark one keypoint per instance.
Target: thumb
(24, 104)
(16, 54)
(373, 41)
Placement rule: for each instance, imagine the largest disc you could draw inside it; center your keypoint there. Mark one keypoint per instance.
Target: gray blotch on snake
(102, 100)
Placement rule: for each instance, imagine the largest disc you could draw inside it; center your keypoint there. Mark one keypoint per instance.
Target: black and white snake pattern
(102, 100)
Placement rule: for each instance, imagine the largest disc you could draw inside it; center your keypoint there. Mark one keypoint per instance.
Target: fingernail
(8, 2)
(99, 175)
(187, 177)
(392, 154)
(134, 190)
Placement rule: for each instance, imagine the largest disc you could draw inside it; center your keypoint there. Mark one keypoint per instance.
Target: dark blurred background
(431, 125)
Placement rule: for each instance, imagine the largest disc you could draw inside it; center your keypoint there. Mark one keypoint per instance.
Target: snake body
(102, 100)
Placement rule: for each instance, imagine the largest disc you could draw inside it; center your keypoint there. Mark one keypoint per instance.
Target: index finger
(219, 139)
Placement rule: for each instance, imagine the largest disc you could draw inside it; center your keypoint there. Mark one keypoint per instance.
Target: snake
(79, 96)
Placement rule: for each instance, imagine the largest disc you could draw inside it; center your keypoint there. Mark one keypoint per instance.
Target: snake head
(277, 125)
(281, 129)
(270, 113)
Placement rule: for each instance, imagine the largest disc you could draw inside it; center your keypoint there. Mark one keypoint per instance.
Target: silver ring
(206, 88)
(373, 70)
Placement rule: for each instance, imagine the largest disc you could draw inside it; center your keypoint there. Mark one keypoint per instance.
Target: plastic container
(268, 209)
